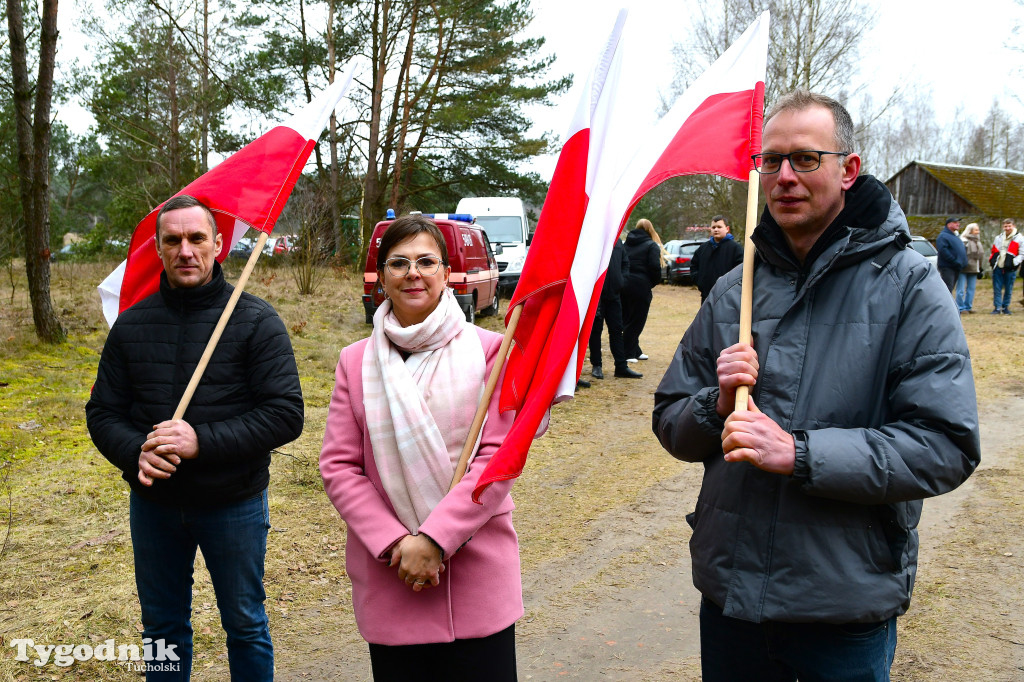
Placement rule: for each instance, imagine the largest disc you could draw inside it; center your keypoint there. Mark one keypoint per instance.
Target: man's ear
(851, 169)
(218, 244)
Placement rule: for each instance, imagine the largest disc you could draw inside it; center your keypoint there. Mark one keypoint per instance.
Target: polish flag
(607, 164)
(249, 189)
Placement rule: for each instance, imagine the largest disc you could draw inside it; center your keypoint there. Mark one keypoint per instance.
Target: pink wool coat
(480, 591)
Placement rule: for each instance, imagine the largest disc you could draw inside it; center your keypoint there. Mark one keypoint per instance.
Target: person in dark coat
(609, 310)
(201, 481)
(643, 247)
(805, 539)
(952, 253)
(715, 257)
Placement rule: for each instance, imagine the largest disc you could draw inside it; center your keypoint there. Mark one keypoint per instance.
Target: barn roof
(997, 192)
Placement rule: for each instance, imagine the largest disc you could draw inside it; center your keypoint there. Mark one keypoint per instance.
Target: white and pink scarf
(419, 410)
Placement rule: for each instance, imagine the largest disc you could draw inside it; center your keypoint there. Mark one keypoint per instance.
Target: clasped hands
(749, 436)
(419, 562)
(170, 442)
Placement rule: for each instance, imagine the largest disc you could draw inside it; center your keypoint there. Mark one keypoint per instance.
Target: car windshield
(923, 248)
(688, 249)
(502, 228)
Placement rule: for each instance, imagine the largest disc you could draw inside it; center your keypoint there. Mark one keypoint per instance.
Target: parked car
(474, 274)
(245, 245)
(926, 249)
(284, 244)
(680, 253)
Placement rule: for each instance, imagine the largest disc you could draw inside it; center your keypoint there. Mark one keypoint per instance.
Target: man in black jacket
(609, 310)
(715, 257)
(201, 481)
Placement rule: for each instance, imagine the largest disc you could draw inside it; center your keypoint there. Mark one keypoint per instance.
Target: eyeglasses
(425, 265)
(803, 161)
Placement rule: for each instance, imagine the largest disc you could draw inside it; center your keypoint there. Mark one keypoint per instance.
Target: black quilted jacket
(248, 402)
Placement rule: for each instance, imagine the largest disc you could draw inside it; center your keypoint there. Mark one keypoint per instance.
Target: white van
(504, 221)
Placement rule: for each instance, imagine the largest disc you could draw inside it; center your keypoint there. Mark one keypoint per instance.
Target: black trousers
(636, 303)
(609, 311)
(491, 658)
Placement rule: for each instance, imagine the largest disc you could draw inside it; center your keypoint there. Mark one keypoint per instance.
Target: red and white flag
(713, 128)
(249, 189)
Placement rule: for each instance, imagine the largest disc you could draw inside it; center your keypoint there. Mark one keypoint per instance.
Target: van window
(502, 228)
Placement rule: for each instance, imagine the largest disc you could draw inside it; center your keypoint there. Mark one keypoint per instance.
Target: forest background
(445, 106)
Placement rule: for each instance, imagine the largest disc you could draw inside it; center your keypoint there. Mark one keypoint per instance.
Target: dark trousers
(636, 303)
(233, 539)
(733, 650)
(949, 277)
(491, 658)
(609, 311)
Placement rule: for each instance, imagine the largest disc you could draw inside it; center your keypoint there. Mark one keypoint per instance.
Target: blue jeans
(233, 539)
(965, 284)
(733, 650)
(1002, 287)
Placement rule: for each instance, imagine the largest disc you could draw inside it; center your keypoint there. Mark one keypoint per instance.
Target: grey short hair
(184, 201)
(804, 99)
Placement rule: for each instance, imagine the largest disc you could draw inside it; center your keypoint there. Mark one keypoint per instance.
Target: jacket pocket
(893, 520)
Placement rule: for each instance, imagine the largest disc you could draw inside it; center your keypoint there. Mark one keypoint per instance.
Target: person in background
(609, 310)
(200, 481)
(1006, 255)
(715, 257)
(436, 585)
(805, 540)
(968, 278)
(646, 263)
(952, 254)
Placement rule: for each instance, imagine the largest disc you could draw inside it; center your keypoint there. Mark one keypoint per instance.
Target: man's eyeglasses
(399, 266)
(803, 161)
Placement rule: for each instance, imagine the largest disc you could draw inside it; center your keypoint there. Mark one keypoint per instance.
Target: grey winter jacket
(863, 359)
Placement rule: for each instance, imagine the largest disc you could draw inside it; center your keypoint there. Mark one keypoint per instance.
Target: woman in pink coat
(435, 577)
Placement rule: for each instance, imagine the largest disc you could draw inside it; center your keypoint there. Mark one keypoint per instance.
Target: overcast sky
(956, 49)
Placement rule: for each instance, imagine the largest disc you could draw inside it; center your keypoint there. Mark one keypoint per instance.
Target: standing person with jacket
(643, 247)
(436, 587)
(609, 309)
(968, 277)
(715, 257)
(1007, 253)
(862, 404)
(952, 253)
(201, 481)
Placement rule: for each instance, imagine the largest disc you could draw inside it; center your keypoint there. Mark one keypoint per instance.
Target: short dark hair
(404, 228)
(184, 201)
(804, 99)
(722, 218)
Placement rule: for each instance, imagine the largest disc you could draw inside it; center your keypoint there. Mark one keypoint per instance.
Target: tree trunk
(335, 213)
(33, 159)
(205, 95)
(370, 210)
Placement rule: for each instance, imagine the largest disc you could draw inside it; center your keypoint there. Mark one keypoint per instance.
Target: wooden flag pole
(190, 390)
(747, 290)
(485, 400)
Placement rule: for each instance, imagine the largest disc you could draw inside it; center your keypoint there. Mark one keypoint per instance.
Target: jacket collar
(865, 225)
(194, 298)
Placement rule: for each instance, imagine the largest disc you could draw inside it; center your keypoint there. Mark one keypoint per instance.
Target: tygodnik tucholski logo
(154, 655)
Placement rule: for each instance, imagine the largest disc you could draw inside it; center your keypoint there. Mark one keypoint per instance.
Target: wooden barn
(929, 192)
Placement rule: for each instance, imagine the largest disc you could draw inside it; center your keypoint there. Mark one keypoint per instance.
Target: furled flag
(713, 128)
(248, 189)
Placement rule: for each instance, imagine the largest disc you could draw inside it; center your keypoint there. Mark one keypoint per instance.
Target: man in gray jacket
(804, 538)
